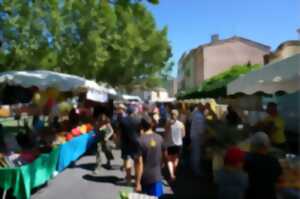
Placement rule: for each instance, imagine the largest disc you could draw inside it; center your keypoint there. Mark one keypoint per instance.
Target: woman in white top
(175, 131)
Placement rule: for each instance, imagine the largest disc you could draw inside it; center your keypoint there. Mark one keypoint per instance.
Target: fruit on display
(291, 174)
(69, 136)
(89, 127)
(75, 131)
(83, 129)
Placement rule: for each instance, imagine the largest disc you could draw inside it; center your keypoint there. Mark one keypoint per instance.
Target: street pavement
(78, 182)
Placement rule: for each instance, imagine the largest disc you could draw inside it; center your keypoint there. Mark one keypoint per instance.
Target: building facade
(154, 95)
(216, 57)
(171, 86)
(284, 50)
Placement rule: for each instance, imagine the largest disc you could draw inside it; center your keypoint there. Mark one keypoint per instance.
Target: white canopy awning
(131, 98)
(283, 75)
(166, 100)
(48, 79)
(92, 85)
(42, 79)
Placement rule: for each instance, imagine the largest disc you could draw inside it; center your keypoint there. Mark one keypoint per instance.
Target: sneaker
(96, 172)
(107, 166)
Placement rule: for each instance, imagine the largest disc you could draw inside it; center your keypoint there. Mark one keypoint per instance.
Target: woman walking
(175, 132)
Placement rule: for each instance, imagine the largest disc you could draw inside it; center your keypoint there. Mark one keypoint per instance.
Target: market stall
(278, 82)
(73, 149)
(53, 82)
(23, 179)
(58, 132)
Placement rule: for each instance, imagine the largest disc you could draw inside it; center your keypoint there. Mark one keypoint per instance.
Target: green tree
(112, 41)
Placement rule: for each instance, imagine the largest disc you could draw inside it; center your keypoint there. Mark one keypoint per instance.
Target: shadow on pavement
(91, 166)
(86, 166)
(112, 167)
(103, 179)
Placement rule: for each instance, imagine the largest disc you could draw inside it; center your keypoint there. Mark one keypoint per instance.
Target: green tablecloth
(27, 177)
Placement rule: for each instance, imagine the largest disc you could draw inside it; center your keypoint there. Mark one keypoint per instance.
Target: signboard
(97, 96)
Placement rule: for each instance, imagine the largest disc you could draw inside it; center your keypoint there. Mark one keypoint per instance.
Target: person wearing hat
(148, 162)
(231, 181)
(175, 131)
(121, 108)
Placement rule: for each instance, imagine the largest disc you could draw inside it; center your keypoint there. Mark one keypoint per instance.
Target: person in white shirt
(175, 131)
(197, 133)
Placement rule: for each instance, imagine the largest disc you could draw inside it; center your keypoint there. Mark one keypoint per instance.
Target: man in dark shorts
(148, 164)
(129, 133)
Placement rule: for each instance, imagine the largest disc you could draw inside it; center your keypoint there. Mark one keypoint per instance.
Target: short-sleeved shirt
(263, 172)
(231, 184)
(151, 151)
(175, 135)
(277, 136)
(129, 132)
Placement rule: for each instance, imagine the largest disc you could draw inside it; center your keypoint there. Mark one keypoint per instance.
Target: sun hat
(121, 106)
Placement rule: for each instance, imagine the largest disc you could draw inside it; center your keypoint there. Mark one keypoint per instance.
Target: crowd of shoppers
(146, 150)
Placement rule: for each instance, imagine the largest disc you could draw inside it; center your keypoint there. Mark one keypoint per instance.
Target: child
(231, 181)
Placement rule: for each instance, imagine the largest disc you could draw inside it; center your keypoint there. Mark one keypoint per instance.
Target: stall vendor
(276, 126)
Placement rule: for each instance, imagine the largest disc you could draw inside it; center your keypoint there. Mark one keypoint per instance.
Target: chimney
(214, 38)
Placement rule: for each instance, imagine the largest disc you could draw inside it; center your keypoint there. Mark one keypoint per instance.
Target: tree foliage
(113, 41)
(222, 79)
(216, 86)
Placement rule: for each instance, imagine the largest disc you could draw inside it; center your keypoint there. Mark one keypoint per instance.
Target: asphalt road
(78, 182)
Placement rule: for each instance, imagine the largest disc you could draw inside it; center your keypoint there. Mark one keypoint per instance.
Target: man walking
(148, 164)
(129, 133)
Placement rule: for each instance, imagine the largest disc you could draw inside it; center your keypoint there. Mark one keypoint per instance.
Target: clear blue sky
(192, 22)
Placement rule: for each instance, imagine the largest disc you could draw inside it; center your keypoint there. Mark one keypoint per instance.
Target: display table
(289, 183)
(72, 150)
(23, 179)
